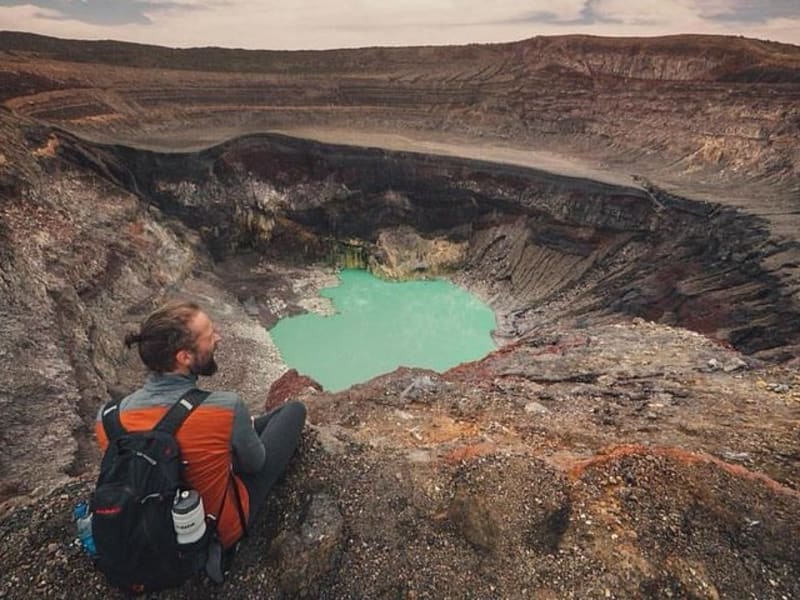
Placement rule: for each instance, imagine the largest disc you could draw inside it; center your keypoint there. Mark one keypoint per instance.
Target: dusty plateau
(630, 209)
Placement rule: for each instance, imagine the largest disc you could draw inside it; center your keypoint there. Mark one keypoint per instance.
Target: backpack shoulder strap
(176, 415)
(111, 422)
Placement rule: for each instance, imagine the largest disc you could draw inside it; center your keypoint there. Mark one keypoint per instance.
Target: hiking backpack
(137, 547)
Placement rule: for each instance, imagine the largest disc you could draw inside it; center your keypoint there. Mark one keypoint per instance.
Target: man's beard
(206, 367)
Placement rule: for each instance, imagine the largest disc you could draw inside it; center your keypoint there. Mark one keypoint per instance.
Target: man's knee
(297, 411)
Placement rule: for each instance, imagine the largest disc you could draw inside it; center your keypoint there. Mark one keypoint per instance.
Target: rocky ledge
(625, 461)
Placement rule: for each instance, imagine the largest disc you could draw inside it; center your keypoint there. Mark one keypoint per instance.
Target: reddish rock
(286, 386)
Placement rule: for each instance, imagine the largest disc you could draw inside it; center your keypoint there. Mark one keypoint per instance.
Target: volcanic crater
(629, 208)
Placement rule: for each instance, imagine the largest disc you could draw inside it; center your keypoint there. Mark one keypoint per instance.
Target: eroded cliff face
(633, 437)
(543, 248)
(78, 252)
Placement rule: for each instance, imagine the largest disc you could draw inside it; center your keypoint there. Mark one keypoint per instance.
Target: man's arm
(248, 449)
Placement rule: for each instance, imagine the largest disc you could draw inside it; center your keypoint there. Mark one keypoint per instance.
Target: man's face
(206, 339)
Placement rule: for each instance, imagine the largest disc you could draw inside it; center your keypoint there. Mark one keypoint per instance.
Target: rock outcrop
(289, 385)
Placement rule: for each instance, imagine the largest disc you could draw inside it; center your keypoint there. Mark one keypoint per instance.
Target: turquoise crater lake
(381, 325)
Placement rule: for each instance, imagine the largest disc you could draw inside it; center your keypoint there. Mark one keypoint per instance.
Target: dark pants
(279, 431)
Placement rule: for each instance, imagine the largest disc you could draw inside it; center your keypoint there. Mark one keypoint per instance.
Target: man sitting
(232, 460)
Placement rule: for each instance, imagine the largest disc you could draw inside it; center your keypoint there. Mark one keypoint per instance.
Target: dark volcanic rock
(306, 558)
(473, 517)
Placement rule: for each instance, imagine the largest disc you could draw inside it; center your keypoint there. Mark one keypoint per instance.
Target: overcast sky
(295, 24)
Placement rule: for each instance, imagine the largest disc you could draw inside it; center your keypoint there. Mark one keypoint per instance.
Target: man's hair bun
(132, 338)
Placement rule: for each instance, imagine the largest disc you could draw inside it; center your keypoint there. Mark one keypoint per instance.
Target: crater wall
(680, 109)
(542, 246)
(593, 455)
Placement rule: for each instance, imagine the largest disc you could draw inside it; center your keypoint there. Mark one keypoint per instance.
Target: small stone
(734, 365)
(419, 456)
(730, 455)
(329, 442)
(534, 408)
(778, 388)
(418, 386)
(713, 364)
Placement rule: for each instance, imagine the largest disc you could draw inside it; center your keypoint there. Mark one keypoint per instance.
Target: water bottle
(83, 522)
(188, 516)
